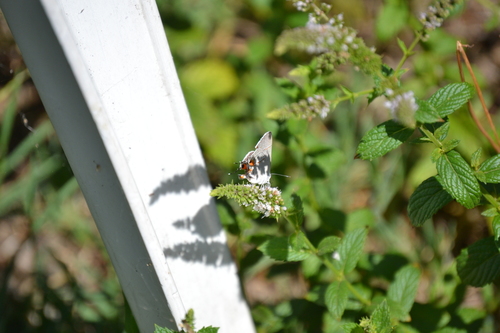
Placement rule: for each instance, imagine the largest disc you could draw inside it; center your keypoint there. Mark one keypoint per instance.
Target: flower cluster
(308, 108)
(436, 14)
(319, 9)
(265, 200)
(332, 37)
(402, 107)
(302, 5)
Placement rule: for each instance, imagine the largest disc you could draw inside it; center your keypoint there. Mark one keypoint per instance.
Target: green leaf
(352, 328)
(381, 319)
(441, 132)
(382, 139)
(426, 113)
(491, 170)
(436, 154)
(270, 321)
(479, 264)
(310, 266)
(209, 329)
(159, 329)
(328, 245)
(451, 97)
(470, 315)
(427, 199)
(336, 298)
(475, 158)
(491, 212)
(284, 249)
(401, 293)
(351, 248)
(450, 145)
(288, 87)
(496, 227)
(458, 179)
(402, 46)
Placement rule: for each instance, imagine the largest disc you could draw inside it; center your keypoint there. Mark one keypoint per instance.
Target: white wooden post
(106, 77)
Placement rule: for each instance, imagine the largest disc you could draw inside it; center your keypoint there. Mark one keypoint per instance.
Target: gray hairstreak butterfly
(257, 163)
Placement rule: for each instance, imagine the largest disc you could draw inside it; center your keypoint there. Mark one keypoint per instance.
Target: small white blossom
(403, 107)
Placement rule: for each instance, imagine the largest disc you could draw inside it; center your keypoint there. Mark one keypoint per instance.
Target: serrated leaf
(491, 170)
(351, 248)
(491, 212)
(382, 139)
(283, 249)
(402, 291)
(336, 298)
(426, 112)
(352, 328)
(479, 264)
(475, 158)
(495, 224)
(381, 319)
(386, 70)
(450, 145)
(328, 244)
(427, 199)
(480, 176)
(209, 329)
(159, 329)
(436, 154)
(451, 97)
(441, 131)
(298, 241)
(458, 179)
(288, 87)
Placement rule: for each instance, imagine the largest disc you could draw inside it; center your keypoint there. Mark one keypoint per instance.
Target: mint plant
(334, 262)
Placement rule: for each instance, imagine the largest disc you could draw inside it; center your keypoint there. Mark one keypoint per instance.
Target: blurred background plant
(55, 274)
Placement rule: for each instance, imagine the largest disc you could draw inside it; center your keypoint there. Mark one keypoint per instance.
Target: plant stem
(409, 51)
(431, 137)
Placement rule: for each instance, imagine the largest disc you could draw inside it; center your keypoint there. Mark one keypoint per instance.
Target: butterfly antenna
(278, 174)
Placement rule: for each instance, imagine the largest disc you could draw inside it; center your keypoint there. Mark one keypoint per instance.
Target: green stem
(431, 137)
(409, 51)
(491, 199)
(351, 96)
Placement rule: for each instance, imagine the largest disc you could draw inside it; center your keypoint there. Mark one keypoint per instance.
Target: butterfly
(257, 163)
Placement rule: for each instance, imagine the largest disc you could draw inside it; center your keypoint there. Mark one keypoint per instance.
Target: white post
(106, 77)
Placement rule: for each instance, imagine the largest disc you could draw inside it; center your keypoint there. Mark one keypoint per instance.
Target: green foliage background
(224, 54)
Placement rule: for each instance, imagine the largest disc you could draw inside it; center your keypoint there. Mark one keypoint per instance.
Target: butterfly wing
(261, 173)
(257, 163)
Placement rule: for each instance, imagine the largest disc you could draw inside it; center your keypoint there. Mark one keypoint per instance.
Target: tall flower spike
(332, 42)
(265, 200)
(435, 14)
(308, 108)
